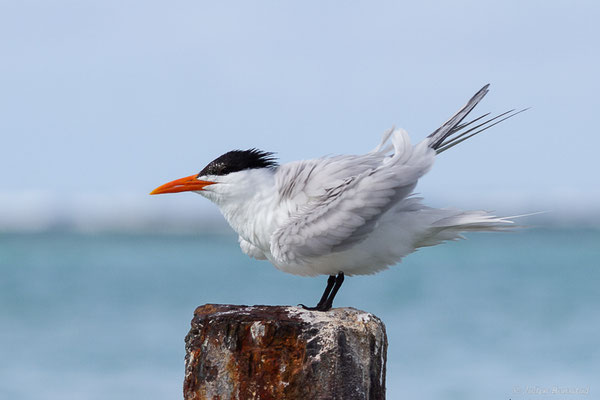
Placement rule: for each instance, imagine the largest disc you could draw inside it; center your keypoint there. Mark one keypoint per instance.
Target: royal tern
(341, 215)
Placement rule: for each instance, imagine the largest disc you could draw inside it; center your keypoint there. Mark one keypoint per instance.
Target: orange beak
(189, 183)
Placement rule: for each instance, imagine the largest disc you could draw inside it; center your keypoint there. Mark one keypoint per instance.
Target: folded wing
(335, 203)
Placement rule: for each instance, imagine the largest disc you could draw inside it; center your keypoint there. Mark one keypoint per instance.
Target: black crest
(239, 160)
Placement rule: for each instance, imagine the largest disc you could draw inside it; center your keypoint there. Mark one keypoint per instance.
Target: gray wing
(333, 212)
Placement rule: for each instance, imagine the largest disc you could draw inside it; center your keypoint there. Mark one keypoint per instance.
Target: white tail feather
(450, 224)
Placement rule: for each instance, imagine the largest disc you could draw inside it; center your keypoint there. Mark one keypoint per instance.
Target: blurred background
(100, 102)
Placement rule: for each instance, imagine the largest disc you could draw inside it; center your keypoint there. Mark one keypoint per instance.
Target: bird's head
(226, 174)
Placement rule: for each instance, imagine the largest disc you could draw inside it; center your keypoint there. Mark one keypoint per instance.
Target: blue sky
(102, 101)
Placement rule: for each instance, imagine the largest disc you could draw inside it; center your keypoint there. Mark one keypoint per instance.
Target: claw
(317, 308)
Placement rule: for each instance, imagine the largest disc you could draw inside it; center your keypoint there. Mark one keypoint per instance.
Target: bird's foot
(318, 307)
(326, 302)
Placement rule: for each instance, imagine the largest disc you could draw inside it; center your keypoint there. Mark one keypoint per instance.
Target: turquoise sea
(498, 316)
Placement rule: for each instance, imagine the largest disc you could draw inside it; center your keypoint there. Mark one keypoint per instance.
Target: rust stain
(270, 370)
(262, 354)
(207, 309)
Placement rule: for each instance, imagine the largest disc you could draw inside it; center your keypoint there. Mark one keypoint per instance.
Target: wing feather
(344, 197)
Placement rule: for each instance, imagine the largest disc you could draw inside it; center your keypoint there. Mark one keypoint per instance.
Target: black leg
(330, 283)
(338, 284)
(333, 285)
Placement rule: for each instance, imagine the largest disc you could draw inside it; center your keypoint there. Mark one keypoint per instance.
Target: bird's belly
(356, 261)
(364, 258)
(394, 238)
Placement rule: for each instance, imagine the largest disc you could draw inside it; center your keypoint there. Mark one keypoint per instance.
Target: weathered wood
(275, 352)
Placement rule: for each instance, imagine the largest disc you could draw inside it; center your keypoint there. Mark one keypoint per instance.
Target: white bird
(342, 215)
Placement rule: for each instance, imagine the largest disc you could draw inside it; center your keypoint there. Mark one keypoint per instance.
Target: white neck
(247, 200)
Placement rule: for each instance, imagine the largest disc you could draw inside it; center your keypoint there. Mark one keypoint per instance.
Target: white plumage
(350, 214)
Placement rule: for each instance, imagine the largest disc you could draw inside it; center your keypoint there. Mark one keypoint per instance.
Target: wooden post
(276, 352)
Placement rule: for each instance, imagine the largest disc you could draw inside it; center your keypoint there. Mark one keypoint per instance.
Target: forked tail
(454, 131)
